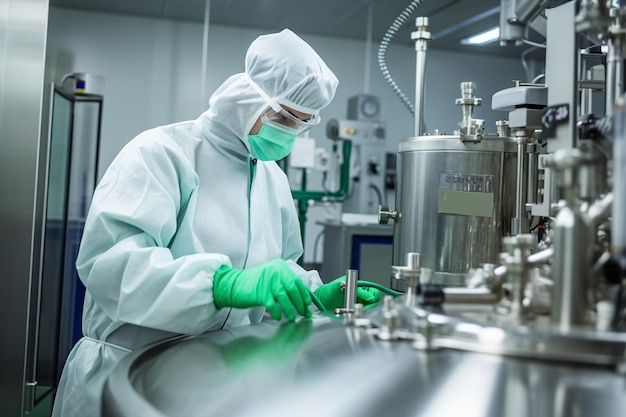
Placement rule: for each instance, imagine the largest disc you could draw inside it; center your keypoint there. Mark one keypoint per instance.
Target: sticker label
(466, 195)
(466, 182)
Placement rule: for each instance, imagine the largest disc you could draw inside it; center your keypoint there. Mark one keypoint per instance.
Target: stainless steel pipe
(460, 295)
(421, 37)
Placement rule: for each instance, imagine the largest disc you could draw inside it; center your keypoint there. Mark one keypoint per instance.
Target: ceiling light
(483, 38)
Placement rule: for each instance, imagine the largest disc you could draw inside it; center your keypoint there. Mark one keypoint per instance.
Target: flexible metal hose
(384, 44)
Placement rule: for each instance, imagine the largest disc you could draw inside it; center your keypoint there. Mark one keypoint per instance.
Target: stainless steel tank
(454, 202)
(320, 367)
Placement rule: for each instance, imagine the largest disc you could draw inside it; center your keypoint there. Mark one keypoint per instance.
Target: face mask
(273, 142)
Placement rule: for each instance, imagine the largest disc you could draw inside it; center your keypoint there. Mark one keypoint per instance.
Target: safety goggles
(284, 118)
(276, 114)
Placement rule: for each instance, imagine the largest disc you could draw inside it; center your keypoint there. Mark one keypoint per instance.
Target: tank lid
(490, 143)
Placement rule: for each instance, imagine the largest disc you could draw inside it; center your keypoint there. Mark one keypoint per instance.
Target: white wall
(152, 70)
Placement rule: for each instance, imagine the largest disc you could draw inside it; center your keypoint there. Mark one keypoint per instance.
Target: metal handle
(349, 287)
(352, 276)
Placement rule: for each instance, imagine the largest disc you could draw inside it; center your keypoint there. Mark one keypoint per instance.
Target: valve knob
(384, 214)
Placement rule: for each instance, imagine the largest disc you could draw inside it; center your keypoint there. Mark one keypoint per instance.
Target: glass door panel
(54, 243)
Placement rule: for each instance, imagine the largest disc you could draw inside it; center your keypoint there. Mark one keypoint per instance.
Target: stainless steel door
(23, 26)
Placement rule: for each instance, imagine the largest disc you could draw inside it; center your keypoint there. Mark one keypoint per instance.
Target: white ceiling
(450, 20)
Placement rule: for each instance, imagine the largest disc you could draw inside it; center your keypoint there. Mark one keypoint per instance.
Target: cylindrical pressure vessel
(455, 201)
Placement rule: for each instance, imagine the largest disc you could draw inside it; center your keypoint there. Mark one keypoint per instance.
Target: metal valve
(384, 214)
(411, 274)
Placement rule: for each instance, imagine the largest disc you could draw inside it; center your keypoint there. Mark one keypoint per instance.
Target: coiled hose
(384, 44)
(379, 287)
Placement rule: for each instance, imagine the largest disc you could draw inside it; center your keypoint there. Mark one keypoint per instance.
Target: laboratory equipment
(454, 199)
(313, 362)
(361, 246)
(510, 252)
(550, 210)
(367, 164)
(364, 107)
(354, 240)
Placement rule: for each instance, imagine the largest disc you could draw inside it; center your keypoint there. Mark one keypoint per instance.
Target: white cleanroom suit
(175, 204)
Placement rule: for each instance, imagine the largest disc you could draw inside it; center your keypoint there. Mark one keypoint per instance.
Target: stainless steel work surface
(322, 367)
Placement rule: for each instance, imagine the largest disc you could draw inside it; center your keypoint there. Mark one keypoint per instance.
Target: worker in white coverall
(193, 227)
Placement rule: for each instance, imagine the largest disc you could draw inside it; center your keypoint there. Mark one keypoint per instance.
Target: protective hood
(286, 69)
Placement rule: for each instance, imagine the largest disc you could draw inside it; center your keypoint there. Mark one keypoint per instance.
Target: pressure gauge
(370, 107)
(364, 107)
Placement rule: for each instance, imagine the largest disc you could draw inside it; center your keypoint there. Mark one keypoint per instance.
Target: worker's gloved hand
(273, 285)
(332, 296)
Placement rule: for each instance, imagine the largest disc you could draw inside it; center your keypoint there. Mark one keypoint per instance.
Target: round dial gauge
(370, 107)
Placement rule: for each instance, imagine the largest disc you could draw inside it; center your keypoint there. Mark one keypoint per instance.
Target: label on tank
(465, 194)
(466, 182)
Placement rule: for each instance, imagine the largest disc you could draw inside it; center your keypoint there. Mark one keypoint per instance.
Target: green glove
(273, 285)
(333, 297)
